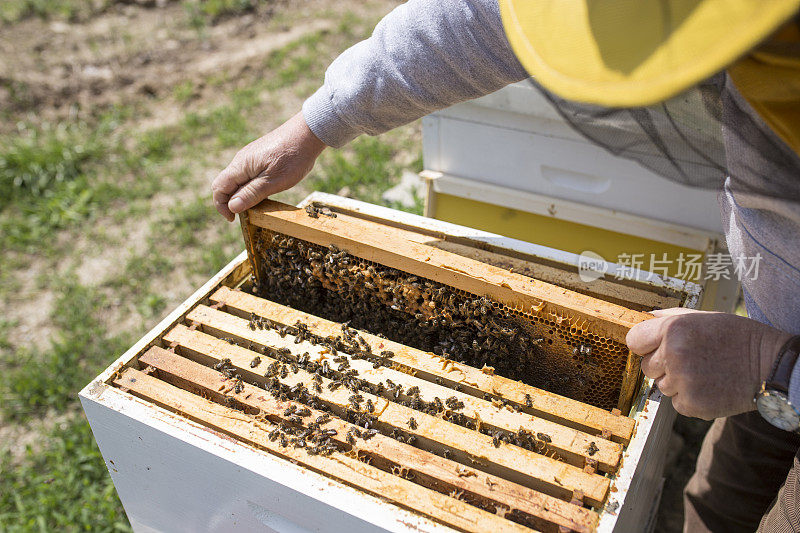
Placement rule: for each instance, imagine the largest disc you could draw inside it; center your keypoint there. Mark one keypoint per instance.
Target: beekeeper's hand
(711, 364)
(268, 165)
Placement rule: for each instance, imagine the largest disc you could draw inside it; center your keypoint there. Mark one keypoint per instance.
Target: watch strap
(782, 370)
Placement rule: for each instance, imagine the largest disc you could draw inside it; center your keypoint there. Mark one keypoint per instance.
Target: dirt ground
(161, 62)
(147, 57)
(141, 51)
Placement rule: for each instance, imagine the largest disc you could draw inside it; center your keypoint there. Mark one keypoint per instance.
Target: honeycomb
(542, 349)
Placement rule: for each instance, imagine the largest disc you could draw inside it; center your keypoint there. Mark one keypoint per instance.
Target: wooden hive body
(446, 446)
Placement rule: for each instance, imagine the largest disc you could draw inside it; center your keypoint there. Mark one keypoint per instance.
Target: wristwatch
(772, 401)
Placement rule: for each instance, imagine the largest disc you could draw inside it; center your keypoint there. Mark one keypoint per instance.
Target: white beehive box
(175, 474)
(511, 149)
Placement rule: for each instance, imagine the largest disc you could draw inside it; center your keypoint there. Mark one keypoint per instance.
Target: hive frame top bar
(568, 261)
(402, 249)
(565, 411)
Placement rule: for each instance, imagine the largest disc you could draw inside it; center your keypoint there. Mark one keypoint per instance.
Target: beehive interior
(542, 350)
(463, 446)
(442, 401)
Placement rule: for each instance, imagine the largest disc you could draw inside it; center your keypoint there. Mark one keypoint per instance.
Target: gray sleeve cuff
(794, 386)
(325, 122)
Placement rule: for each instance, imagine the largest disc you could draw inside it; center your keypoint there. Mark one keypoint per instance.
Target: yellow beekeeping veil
(627, 53)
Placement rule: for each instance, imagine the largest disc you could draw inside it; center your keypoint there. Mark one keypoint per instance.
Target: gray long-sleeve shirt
(422, 56)
(427, 55)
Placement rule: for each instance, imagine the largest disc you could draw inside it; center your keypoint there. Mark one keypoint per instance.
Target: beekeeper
(704, 92)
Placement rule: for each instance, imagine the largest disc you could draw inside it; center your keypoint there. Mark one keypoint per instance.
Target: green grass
(70, 10)
(202, 13)
(5, 328)
(196, 227)
(368, 167)
(56, 177)
(39, 159)
(62, 485)
(213, 258)
(64, 185)
(49, 178)
(184, 92)
(15, 10)
(185, 222)
(227, 125)
(35, 382)
(135, 276)
(155, 146)
(294, 61)
(19, 95)
(151, 305)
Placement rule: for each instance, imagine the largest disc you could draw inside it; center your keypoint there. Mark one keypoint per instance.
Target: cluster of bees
(417, 312)
(315, 212)
(295, 430)
(229, 371)
(313, 437)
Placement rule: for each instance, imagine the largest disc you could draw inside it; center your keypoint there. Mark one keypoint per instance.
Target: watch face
(774, 406)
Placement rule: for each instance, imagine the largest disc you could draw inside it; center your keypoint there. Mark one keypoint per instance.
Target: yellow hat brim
(628, 53)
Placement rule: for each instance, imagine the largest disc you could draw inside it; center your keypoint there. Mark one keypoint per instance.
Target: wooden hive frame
(407, 251)
(560, 485)
(403, 250)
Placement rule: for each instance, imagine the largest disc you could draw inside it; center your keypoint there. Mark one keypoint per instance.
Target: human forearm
(423, 56)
